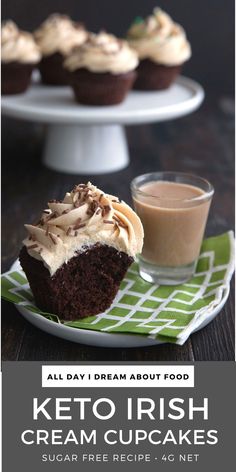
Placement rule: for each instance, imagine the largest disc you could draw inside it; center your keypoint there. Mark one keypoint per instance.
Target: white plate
(57, 105)
(97, 338)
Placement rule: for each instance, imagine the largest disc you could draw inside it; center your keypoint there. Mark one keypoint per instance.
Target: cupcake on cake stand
(91, 139)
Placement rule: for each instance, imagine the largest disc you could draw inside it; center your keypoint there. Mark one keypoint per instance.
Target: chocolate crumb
(108, 222)
(66, 211)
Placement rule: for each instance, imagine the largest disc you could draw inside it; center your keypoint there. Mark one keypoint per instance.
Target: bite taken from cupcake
(76, 256)
(102, 70)
(19, 55)
(56, 37)
(162, 48)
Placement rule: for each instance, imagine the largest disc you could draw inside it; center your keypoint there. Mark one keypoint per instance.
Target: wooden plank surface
(202, 143)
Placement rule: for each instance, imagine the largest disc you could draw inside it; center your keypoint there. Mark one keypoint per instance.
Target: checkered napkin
(168, 313)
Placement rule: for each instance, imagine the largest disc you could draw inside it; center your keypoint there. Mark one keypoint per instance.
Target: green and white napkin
(168, 313)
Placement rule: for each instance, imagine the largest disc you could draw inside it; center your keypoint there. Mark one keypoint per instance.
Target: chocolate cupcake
(102, 70)
(56, 37)
(162, 48)
(20, 54)
(78, 253)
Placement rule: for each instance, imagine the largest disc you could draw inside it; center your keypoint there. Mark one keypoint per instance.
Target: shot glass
(173, 208)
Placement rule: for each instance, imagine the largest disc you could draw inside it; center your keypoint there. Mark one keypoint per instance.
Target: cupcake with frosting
(102, 70)
(162, 48)
(20, 54)
(76, 256)
(56, 37)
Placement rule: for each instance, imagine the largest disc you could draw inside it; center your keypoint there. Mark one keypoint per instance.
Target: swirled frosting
(17, 45)
(103, 52)
(85, 217)
(58, 33)
(159, 39)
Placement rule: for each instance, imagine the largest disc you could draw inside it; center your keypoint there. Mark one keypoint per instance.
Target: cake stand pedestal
(86, 149)
(91, 140)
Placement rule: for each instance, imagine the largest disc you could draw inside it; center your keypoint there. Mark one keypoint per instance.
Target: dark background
(201, 143)
(209, 25)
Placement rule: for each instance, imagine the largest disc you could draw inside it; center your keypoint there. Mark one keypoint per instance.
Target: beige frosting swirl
(18, 45)
(85, 217)
(59, 34)
(103, 53)
(160, 39)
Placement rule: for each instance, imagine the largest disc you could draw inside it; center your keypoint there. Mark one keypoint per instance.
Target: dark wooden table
(202, 143)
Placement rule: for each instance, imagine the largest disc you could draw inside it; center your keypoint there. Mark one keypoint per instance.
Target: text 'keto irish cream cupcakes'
(56, 37)
(162, 48)
(19, 55)
(76, 256)
(102, 70)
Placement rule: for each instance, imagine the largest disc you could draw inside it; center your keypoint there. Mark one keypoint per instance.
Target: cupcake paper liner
(15, 77)
(153, 76)
(101, 89)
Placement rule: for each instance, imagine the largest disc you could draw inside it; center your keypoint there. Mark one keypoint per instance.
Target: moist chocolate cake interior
(85, 286)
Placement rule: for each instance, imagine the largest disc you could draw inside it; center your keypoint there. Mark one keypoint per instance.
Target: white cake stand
(91, 140)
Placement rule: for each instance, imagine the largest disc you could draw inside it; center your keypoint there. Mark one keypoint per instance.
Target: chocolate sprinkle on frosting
(88, 225)
(116, 219)
(120, 223)
(53, 238)
(33, 246)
